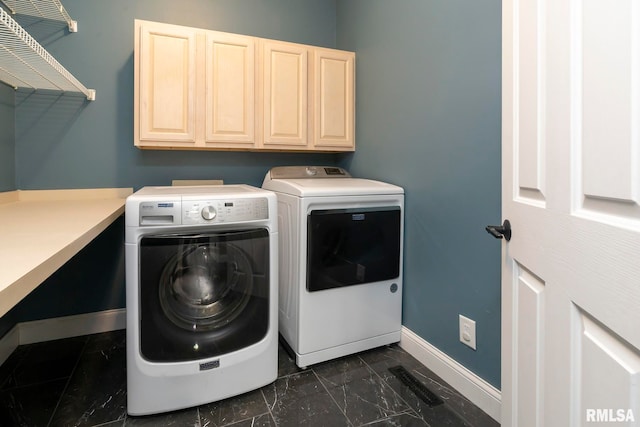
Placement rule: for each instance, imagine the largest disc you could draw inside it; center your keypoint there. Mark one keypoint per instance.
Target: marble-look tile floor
(81, 381)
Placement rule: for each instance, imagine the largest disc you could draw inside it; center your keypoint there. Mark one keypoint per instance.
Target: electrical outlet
(467, 331)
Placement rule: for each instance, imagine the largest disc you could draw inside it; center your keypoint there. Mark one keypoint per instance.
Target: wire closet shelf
(49, 9)
(24, 63)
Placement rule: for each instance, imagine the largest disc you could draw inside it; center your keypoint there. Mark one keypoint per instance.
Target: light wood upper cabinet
(333, 99)
(165, 84)
(230, 90)
(309, 97)
(208, 90)
(285, 91)
(194, 89)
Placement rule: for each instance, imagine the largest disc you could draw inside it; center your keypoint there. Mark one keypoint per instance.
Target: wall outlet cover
(467, 331)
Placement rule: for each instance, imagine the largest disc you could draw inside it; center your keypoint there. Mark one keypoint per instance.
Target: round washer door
(206, 285)
(203, 295)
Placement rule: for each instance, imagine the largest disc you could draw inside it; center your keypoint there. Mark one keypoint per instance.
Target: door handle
(498, 231)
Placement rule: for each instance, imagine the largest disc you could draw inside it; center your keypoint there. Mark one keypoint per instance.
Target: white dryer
(340, 268)
(201, 274)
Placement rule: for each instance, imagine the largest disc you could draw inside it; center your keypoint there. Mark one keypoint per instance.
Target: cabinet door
(333, 100)
(230, 90)
(285, 95)
(166, 80)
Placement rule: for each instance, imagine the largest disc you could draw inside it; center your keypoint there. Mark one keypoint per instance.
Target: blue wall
(7, 139)
(428, 119)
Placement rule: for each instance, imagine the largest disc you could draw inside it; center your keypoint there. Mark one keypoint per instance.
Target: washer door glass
(203, 295)
(205, 285)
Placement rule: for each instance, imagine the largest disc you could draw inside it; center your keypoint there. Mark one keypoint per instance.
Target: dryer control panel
(298, 172)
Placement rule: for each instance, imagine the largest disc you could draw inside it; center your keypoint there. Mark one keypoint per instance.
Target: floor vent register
(419, 389)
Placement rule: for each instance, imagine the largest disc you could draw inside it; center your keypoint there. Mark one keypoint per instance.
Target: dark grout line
(331, 396)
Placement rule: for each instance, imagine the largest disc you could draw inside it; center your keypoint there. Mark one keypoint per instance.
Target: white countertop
(40, 230)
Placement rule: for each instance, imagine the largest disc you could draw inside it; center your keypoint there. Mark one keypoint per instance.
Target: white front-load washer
(201, 275)
(341, 238)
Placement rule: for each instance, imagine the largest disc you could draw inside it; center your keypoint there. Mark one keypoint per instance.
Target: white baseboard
(61, 327)
(481, 393)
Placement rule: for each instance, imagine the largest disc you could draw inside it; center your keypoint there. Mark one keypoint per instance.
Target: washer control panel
(221, 210)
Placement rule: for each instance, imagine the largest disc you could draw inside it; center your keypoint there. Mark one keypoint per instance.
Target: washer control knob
(311, 171)
(208, 212)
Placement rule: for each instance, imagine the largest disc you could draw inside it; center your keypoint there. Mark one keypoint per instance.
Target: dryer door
(203, 295)
(352, 246)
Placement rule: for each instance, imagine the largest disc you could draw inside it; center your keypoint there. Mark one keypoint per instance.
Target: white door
(571, 189)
